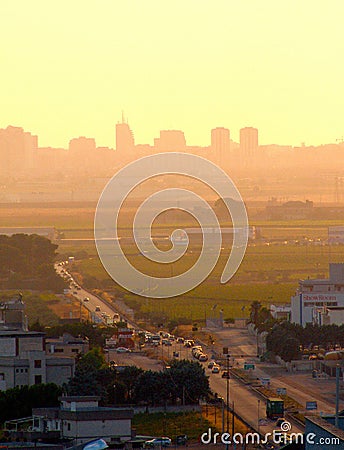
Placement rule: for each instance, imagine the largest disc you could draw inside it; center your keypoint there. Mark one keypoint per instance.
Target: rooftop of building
(325, 425)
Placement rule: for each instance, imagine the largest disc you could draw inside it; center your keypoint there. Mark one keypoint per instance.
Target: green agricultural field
(268, 274)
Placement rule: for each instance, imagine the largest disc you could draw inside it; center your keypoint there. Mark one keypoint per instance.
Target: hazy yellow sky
(69, 67)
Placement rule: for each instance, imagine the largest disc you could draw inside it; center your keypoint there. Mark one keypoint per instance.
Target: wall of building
(86, 430)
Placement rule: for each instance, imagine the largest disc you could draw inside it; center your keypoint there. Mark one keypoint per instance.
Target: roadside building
(329, 315)
(321, 432)
(23, 359)
(280, 311)
(67, 345)
(313, 294)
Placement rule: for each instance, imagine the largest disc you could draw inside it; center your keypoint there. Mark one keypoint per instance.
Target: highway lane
(92, 301)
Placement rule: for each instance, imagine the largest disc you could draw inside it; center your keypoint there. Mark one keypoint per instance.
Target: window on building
(68, 426)
(38, 379)
(58, 350)
(38, 363)
(17, 370)
(25, 370)
(75, 350)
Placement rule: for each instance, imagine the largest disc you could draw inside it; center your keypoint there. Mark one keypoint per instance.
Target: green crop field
(268, 274)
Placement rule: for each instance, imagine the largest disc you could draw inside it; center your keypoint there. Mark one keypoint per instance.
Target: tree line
(183, 381)
(27, 262)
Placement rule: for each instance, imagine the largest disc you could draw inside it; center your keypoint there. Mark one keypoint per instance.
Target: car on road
(215, 369)
(203, 357)
(123, 350)
(180, 340)
(158, 442)
(166, 342)
(225, 374)
(211, 364)
(97, 309)
(86, 299)
(279, 421)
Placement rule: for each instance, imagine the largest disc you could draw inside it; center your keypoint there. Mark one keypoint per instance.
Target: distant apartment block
(170, 141)
(248, 144)
(220, 144)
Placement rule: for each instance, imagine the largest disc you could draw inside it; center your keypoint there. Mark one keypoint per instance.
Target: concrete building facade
(23, 359)
(313, 294)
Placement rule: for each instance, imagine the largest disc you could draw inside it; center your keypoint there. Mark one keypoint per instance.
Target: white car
(159, 442)
(123, 350)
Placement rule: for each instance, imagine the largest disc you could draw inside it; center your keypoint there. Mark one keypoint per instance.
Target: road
(93, 302)
(300, 386)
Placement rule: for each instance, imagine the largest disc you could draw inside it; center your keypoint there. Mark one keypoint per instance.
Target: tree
(254, 312)
(129, 378)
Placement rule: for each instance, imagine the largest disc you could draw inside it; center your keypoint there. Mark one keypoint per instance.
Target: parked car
(211, 364)
(159, 442)
(203, 357)
(123, 350)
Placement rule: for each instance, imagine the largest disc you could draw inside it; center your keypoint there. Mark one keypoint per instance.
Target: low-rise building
(329, 315)
(67, 345)
(321, 432)
(318, 293)
(23, 359)
(280, 311)
(77, 420)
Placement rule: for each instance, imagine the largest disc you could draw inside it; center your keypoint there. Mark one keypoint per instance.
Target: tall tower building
(220, 144)
(248, 144)
(125, 143)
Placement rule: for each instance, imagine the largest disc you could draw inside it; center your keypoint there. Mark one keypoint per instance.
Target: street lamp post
(258, 419)
(227, 393)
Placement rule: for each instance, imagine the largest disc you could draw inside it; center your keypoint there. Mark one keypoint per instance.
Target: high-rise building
(17, 150)
(125, 143)
(220, 144)
(248, 144)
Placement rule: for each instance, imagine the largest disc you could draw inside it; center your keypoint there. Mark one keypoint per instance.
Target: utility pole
(227, 394)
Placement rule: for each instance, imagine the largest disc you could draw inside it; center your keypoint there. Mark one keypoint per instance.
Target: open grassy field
(268, 273)
(193, 424)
